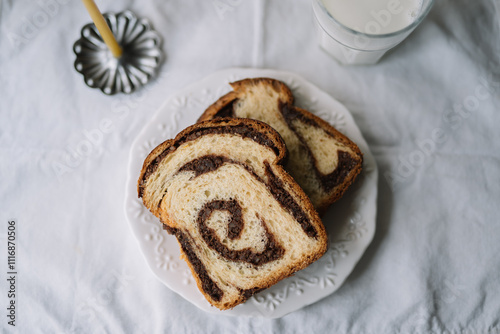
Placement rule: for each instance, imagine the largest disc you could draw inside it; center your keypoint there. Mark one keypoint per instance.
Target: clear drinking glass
(353, 47)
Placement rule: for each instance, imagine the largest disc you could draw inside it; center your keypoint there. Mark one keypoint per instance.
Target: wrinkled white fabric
(429, 112)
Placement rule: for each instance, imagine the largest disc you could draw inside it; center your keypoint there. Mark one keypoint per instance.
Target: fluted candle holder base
(139, 62)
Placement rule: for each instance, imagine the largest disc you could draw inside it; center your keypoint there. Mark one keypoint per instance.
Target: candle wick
(103, 28)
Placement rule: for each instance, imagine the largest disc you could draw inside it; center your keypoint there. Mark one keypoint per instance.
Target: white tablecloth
(429, 111)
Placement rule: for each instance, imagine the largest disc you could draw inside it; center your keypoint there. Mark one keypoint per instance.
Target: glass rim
(423, 13)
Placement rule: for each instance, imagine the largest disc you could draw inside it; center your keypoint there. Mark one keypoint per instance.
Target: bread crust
(351, 177)
(273, 136)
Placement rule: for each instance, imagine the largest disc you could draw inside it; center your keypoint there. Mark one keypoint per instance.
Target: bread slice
(241, 221)
(322, 160)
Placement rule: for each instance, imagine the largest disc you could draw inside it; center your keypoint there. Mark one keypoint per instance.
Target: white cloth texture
(429, 112)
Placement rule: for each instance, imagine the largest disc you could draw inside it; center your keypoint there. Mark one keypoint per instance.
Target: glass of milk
(358, 32)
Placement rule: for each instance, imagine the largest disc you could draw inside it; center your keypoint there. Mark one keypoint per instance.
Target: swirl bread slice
(322, 160)
(241, 221)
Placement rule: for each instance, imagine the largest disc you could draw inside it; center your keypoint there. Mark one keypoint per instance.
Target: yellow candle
(103, 28)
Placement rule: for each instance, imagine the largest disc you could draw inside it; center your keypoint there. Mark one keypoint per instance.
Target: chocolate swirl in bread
(241, 221)
(323, 161)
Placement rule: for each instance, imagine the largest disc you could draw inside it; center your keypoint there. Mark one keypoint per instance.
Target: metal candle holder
(138, 63)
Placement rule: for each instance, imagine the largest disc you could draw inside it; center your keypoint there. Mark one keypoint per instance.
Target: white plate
(350, 223)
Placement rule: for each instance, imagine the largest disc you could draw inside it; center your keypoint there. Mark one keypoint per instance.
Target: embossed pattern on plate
(350, 222)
